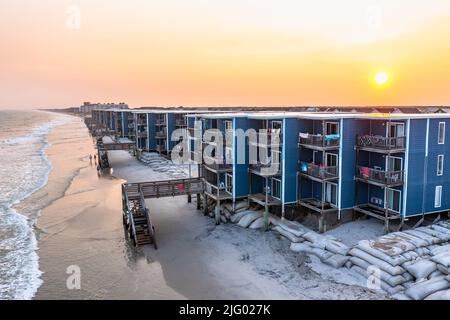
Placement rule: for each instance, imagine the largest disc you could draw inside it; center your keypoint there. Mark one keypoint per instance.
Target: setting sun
(381, 78)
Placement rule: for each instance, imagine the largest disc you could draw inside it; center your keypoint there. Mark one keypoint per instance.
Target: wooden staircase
(137, 218)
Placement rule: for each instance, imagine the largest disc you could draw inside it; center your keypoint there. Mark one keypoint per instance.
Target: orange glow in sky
(58, 53)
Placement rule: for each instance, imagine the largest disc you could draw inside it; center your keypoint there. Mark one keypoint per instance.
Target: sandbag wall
(413, 264)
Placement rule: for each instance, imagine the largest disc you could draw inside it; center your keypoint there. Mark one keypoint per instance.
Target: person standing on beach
(90, 158)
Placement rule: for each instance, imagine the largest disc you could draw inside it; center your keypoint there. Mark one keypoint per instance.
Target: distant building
(87, 107)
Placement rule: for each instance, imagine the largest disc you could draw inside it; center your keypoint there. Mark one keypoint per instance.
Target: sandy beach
(196, 259)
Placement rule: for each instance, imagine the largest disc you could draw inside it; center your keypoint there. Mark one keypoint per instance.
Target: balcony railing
(211, 163)
(318, 140)
(379, 176)
(142, 133)
(142, 122)
(217, 191)
(380, 142)
(319, 171)
(160, 135)
(180, 123)
(160, 122)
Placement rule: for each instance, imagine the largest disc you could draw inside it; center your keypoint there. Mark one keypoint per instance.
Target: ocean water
(24, 169)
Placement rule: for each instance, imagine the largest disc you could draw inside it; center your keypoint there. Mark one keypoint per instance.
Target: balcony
(319, 172)
(160, 122)
(267, 138)
(379, 177)
(181, 123)
(160, 135)
(217, 192)
(381, 144)
(266, 170)
(211, 164)
(142, 134)
(142, 122)
(318, 141)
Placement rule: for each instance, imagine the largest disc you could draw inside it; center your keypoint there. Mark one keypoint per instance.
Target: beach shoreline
(196, 259)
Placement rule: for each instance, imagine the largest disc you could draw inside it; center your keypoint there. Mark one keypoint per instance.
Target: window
(229, 183)
(393, 199)
(438, 197)
(228, 155)
(276, 188)
(332, 128)
(331, 193)
(228, 125)
(440, 165)
(441, 133)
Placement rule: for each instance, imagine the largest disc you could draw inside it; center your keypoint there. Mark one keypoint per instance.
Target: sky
(59, 53)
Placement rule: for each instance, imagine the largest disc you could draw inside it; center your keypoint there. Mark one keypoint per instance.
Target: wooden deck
(317, 205)
(260, 198)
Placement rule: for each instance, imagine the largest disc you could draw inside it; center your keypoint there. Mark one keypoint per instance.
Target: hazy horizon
(202, 53)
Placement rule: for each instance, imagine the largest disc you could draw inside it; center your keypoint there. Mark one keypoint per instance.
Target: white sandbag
(400, 296)
(427, 237)
(439, 295)
(240, 205)
(448, 278)
(257, 224)
(384, 286)
(444, 237)
(316, 239)
(293, 227)
(440, 229)
(420, 269)
(223, 219)
(443, 269)
(408, 240)
(336, 260)
(383, 265)
(238, 216)
(442, 258)
(274, 220)
(386, 277)
(426, 288)
(408, 277)
(306, 248)
(348, 264)
(249, 218)
(435, 274)
(422, 251)
(227, 214)
(440, 249)
(287, 234)
(366, 245)
(337, 247)
(411, 255)
(444, 223)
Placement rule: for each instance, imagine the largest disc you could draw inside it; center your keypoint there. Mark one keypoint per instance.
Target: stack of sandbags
(328, 249)
(418, 258)
(248, 219)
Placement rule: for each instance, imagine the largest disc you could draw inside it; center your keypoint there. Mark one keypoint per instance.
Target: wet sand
(195, 258)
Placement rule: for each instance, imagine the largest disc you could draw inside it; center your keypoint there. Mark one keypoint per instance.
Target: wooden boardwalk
(136, 216)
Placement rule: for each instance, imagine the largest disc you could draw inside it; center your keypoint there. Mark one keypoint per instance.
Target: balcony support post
(266, 207)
